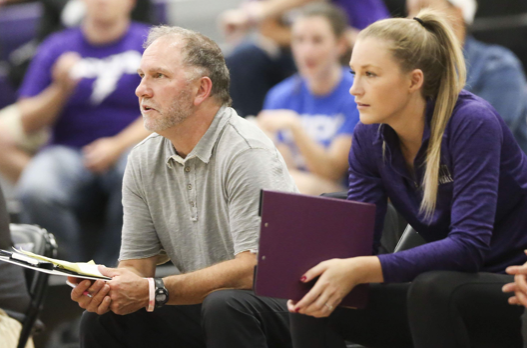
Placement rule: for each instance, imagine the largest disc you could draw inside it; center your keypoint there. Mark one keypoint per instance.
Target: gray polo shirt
(202, 209)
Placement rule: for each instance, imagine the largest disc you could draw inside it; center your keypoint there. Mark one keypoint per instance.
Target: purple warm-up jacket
(480, 221)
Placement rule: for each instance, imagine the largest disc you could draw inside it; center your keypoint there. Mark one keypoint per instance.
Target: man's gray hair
(200, 52)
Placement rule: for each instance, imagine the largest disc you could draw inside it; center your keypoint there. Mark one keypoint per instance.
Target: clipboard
(298, 231)
(41, 265)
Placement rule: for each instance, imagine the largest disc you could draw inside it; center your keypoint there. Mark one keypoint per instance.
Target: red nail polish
(303, 279)
(297, 310)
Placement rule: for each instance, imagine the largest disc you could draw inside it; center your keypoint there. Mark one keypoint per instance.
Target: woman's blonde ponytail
(428, 43)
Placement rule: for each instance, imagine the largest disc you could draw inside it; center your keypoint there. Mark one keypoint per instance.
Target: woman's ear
(204, 90)
(417, 80)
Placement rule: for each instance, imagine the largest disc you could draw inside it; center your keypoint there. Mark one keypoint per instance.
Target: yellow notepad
(83, 268)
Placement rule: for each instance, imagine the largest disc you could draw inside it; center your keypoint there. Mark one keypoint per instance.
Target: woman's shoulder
(470, 107)
(472, 113)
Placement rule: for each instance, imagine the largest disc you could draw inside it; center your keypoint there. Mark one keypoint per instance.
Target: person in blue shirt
(310, 115)
(452, 168)
(494, 73)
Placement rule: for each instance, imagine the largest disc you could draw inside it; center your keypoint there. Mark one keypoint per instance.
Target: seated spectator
(58, 15)
(451, 167)
(190, 194)
(83, 91)
(14, 298)
(494, 73)
(311, 115)
(258, 64)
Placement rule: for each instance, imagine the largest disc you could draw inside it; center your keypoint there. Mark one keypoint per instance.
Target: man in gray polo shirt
(190, 194)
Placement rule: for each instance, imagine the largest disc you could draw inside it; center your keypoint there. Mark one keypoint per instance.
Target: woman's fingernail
(303, 279)
(297, 310)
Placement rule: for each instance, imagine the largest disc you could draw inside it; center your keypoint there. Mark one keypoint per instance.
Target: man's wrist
(150, 299)
(161, 293)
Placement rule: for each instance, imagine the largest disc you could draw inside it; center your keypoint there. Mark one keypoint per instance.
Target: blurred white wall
(199, 15)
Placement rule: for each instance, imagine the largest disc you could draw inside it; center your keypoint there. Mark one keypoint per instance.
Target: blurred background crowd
(69, 115)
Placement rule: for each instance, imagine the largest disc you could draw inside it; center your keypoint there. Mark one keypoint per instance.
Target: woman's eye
(158, 75)
(352, 72)
(370, 74)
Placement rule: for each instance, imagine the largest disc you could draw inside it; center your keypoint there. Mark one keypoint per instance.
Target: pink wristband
(151, 295)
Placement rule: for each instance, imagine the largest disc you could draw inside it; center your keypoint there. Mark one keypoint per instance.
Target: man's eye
(370, 74)
(158, 75)
(352, 72)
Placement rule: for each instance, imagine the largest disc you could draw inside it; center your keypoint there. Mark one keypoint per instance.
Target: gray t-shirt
(202, 209)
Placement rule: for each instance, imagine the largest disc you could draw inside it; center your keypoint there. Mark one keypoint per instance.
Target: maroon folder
(297, 232)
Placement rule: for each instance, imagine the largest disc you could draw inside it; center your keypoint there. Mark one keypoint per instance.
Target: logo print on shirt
(107, 72)
(444, 175)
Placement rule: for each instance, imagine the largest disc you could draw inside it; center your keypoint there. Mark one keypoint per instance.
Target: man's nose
(143, 90)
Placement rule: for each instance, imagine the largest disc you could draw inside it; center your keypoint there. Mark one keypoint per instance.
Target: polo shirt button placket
(191, 194)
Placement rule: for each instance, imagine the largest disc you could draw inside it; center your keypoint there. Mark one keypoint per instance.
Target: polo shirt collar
(204, 148)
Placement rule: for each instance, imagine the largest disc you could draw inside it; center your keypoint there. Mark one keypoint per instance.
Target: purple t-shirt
(104, 101)
(362, 13)
(480, 221)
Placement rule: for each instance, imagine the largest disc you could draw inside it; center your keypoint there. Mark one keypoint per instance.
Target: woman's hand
(337, 278)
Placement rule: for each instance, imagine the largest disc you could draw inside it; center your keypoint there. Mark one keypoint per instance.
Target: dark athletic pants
(438, 310)
(226, 319)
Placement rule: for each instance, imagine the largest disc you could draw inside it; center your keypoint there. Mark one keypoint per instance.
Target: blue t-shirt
(103, 102)
(479, 223)
(323, 117)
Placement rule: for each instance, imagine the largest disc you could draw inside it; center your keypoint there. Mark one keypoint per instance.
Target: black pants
(227, 318)
(437, 310)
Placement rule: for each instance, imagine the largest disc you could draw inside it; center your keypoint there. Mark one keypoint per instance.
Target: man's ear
(204, 90)
(417, 79)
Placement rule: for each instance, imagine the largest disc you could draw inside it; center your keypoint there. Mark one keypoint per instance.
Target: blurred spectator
(58, 15)
(311, 115)
(14, 298)
(493, 72)
(81, 84)
(259, 64)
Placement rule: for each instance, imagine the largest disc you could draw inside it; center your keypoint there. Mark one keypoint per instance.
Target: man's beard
(180, 109)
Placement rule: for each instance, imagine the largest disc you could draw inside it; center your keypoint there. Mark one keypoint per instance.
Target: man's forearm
(192, 288)
(43, 109)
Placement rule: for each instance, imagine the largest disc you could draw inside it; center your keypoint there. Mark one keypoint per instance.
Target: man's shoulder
(241, 134)
(149, 148)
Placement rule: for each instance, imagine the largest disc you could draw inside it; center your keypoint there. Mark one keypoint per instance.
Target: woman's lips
(362, 106)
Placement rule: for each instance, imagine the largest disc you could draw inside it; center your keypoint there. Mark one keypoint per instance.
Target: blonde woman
(452, 168)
